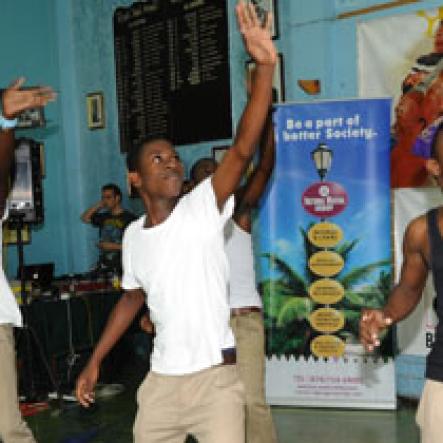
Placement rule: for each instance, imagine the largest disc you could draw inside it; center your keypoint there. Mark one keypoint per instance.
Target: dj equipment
(40, 275)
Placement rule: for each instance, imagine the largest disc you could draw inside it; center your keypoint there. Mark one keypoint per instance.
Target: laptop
(41, 274)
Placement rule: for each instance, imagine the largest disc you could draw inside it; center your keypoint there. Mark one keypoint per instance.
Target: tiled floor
(111, 422)
(296, 425)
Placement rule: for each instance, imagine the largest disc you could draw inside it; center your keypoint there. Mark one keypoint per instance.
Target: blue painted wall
(68, 44)
(28, 35)
(84, 34)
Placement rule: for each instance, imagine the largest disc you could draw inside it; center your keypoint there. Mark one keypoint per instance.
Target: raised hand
(372, 323)
(16, 100)
(257, 38)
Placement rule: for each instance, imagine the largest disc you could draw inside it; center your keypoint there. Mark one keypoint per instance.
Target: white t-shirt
(182, 267)
(242, 285)
(9, 310)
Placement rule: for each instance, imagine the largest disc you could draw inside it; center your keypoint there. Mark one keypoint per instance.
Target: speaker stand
(27, 332)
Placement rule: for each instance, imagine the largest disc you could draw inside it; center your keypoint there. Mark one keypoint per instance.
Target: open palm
(16, 100)
(257, 38)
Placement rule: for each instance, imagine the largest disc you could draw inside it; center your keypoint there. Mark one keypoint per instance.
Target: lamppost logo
(324, 199)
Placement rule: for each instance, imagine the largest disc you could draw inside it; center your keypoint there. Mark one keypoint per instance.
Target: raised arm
(109, 246)
(407, 293)
(259, 45)
(86, 217)
(248, 196)
(14, 101)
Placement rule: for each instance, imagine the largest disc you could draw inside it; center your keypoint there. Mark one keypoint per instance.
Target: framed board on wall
(278, 83)
(268, 6)
(95, 110)
(172, 71)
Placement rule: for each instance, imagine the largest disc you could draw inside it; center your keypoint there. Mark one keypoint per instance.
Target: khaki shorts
(208, 404)
(13, 429)
(430, 412)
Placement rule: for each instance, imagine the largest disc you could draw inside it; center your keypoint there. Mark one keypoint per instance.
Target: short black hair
(114, 188)
(134, 153)
(434, 141)
(197, 164)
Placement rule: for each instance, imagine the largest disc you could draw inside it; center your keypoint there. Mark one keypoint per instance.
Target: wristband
(6, 123)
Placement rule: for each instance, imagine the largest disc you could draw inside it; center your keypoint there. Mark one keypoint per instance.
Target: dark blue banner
(325, 225)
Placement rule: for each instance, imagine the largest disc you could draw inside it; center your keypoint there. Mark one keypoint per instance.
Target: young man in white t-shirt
(13, 429)
(174, 256)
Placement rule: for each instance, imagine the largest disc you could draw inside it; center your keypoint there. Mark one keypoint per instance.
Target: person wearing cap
(422, 253)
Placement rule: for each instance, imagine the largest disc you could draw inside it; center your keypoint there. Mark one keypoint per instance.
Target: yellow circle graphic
(327, 320)
(326, 263)
(325, 346)
(326, 291)
(325, 235)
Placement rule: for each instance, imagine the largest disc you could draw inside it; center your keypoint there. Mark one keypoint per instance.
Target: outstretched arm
(120, 319)
(248, 196)
(14, 101)
(259, 45)
(407, 293)
(109, 246)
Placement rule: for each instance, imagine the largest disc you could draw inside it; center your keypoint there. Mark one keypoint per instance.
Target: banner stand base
(345, 382)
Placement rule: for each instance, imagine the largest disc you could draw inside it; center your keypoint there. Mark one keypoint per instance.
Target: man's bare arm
(258, 43)
(14, 101)
(109, 246)
(86, 217)
(248, 196)
(407, 293)
(118, 322)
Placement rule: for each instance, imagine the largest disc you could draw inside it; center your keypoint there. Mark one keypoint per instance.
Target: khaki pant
(13, 429)
(208, 404)
(250, 341)
(430, 412)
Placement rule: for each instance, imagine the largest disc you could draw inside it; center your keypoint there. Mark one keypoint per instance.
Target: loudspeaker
(26, 196)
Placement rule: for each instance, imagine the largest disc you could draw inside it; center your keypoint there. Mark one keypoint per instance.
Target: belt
(244, 310)
(229, 356)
